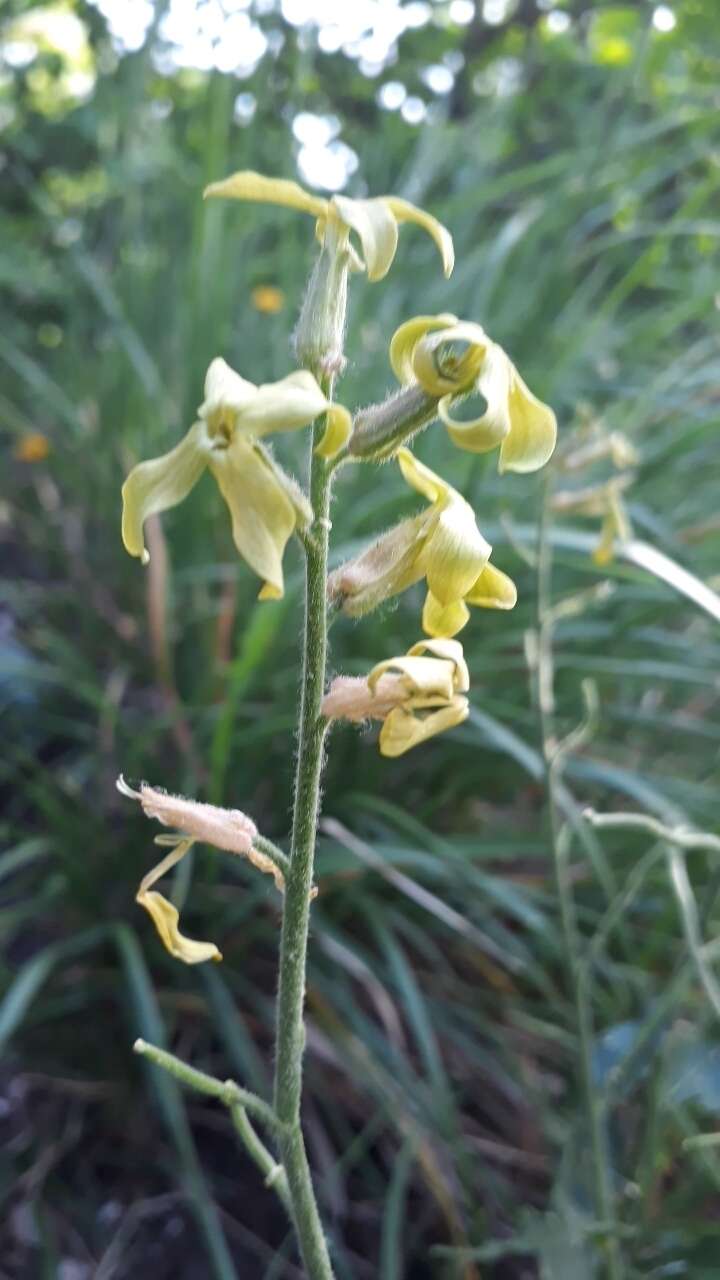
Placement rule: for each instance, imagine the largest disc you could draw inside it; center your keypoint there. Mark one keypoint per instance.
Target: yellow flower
(375, 221)
(442, 545)
(449, 358)
(33, 447)
(226, 829)
(265, 504)
(601, 500)
(268, 299)
(416, 696)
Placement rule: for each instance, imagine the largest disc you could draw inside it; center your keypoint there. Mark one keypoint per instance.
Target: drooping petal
(449, 651)
(376, 225)
(455, 553)
(291, 403)
(493, 590)
(248, 185)
(615, 526)
(533, 430)
(405, 340)
(492, 427)
(165, 918)
(404, 211)
(263, 517)
(159, 484)
(444, 619)
(338, 429)
(404, 729)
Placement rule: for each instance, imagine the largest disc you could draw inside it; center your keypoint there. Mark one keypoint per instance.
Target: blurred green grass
(444, 1110)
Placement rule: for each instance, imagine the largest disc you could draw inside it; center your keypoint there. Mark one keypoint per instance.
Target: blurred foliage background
(513, 1063)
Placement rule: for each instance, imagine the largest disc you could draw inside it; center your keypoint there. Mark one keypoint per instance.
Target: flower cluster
(438, 361)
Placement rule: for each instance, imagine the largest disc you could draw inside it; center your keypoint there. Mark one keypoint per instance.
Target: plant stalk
(560, 839)
(290, 1033)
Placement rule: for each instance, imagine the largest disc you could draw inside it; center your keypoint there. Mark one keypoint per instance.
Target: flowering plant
(438, 361)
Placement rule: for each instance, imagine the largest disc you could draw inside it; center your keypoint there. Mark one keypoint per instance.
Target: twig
(561, 838)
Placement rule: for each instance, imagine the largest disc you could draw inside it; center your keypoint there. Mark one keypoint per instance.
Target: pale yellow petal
(615, 526)
(287, 405)
(450, 651)
(304, 515)
(159, 484)
(405, 729)
(406, 212)
(455, 553)
(533, 430)
(263, 517)
(444, 619)
(338, 429)
(225, 390)
(165, 918)
(248, 185)
(489, 430)
(377, 228)
(493, 590)
(405, 340)
(421, 478)
(426, 678)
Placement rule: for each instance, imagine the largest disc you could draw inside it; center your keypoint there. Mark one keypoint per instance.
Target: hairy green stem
(290, 1033)
(561, 837)
(226, 1091)
(238, 1101)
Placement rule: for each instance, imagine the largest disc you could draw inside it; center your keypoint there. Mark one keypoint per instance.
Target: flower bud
(320, 333)
(416, 696)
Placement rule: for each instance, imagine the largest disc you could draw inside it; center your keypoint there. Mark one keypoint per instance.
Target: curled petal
(405, 340)
(493, 590)
(450, 651)
(159, 484)
(263, 517)
(377, 228)
(455, 552)
(491, 428)
(439, 370)
(431, 679)
(444, 619)
(165, 918)
(406, 212)
(338, 429)
(404, 729)
(248, 185)
(533, 430)
(286, 405)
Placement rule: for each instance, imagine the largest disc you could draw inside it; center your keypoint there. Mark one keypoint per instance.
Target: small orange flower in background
(33, 447)
(268, 298)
